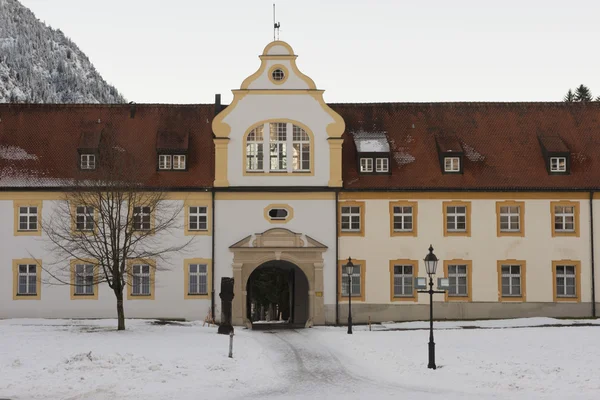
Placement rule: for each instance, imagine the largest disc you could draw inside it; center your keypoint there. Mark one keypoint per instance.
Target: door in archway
(277, 292)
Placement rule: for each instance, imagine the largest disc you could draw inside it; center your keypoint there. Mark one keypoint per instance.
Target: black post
(431, 342)
(349, 304)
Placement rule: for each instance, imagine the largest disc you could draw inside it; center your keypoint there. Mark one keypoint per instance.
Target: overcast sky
(185, 51)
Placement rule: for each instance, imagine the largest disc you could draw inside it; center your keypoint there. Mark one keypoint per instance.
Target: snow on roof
(371, 142)
(15, 153)
(472, 154)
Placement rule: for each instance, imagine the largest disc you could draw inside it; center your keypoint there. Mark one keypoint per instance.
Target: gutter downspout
(212, 264)
(592, 254)
(337, 257)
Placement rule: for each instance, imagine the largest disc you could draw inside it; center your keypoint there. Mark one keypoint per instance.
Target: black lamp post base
(431, 364)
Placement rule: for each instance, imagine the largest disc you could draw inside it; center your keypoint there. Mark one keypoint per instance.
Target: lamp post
(349, 271)
(431, 262)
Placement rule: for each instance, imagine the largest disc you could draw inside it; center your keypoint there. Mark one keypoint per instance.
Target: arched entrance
(277, 292)
(278, 247)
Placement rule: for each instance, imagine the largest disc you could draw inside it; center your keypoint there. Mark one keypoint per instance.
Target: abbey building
(279, 179)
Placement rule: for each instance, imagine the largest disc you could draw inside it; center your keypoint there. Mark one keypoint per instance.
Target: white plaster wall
(55, 300)
(254, 108)
(538, 248)
(237, 219)
(293, 81)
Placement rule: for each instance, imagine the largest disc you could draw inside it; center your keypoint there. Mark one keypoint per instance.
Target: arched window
(278, 146)
(254, 149)
(301, 149)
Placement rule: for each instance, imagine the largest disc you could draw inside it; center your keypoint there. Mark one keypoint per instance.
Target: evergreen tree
(569, 97)
(583, 94)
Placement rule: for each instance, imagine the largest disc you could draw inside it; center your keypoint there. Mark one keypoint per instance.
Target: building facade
(505, 192)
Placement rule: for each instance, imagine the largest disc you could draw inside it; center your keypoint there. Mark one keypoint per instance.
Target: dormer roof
(371, 142)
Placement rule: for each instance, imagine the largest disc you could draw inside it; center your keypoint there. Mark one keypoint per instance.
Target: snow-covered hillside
(39, 64)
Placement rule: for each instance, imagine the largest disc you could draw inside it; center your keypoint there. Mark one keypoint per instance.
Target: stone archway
(274, 245)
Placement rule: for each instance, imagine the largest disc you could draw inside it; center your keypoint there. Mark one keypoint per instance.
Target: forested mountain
(39, 64)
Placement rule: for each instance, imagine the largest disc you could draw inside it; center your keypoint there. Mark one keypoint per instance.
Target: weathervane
(276, 26)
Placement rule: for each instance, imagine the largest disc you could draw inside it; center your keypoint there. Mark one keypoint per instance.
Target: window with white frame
(558, 164)
(84, 279)
(382, 165)
(456, 218)
(301, 149)
(403, 281)
(197, 218)
(457, 277)
(564, 218)
(140, 285)
(350, 218)
(164, 161)
(198, 279)
(356, 281)
(254, 149)
(278, 146)
(179, 161)
(511, 280)
(84, 218)
(366, 165)
(452, 164)
(510, 218)
(141, 218)
(28, 218)
(565, 281)
(87, 161)
(27, 284)
(403, 219)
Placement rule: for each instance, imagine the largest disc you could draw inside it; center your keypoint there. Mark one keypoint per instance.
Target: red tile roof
(500, 141)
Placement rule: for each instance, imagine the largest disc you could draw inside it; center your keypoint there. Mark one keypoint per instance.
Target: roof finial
(276, 26)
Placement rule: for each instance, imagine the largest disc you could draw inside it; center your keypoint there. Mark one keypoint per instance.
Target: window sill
(83, 295)
(412, 298)
(512, 298)
(26, 294)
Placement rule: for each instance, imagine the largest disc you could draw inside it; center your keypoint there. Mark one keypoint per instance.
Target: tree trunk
(120, 311)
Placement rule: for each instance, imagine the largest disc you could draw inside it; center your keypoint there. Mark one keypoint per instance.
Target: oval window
(278, 213)
(278, 74)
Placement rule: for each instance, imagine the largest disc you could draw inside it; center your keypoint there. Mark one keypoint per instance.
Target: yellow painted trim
(38, 272)
(415, 265)
(567, 203)
(523, 265)
(221, 157)
(335, 162)
(27, 203)
(266, 150)
(188, 196)
(96, 278)
(287, 207)
(274, 196)
(457, 203)
(363, 287)
(130, 295)
(469, 264)
(286, 74)
(577, 297)
(186, 278)
(415, 207)
(399, 195)
(31, 196)
(510, 203)
(186, 223)
(362, 206)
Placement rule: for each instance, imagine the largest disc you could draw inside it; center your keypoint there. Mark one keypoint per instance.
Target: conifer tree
(569, 97)
(583, 94)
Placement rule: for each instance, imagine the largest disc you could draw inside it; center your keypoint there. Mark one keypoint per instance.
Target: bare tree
(110, 221)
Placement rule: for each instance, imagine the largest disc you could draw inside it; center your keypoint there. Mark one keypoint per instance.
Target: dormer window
(87, 161)
(558, 164)
(451, 164)
(171, 162)
(373, 152)
(382, 165)
(556, 155)
(366, 165)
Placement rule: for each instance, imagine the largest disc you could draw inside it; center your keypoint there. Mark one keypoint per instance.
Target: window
(28, 218)
(278, 213)
(141, 280)
(171, 161)
(278, 143)
(254, 149)
(27, 283)
(84, 279)
(87, 161)
(403, 281)
(381, 165)
(509, 218)
(565, 218)
(366, 165)
(358, 281)
(558, 164)
(278, 74)
(141, 218)
(351, 218)
(566, 277)
(197, 281)
(84, 218)
(164, 161)
(301, 149)
(457, 220)
(451, 164)
(458, 273)
(179, 161)
(511, 280)
(197, 218)
(403, 218)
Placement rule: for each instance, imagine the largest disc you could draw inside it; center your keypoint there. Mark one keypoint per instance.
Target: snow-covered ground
(75, 359)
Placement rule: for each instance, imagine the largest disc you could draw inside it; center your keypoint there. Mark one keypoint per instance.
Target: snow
(88, 359)
(15, 153)
(371, 142)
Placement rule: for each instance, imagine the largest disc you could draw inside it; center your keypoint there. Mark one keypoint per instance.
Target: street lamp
(349, 271)
(431, 262)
